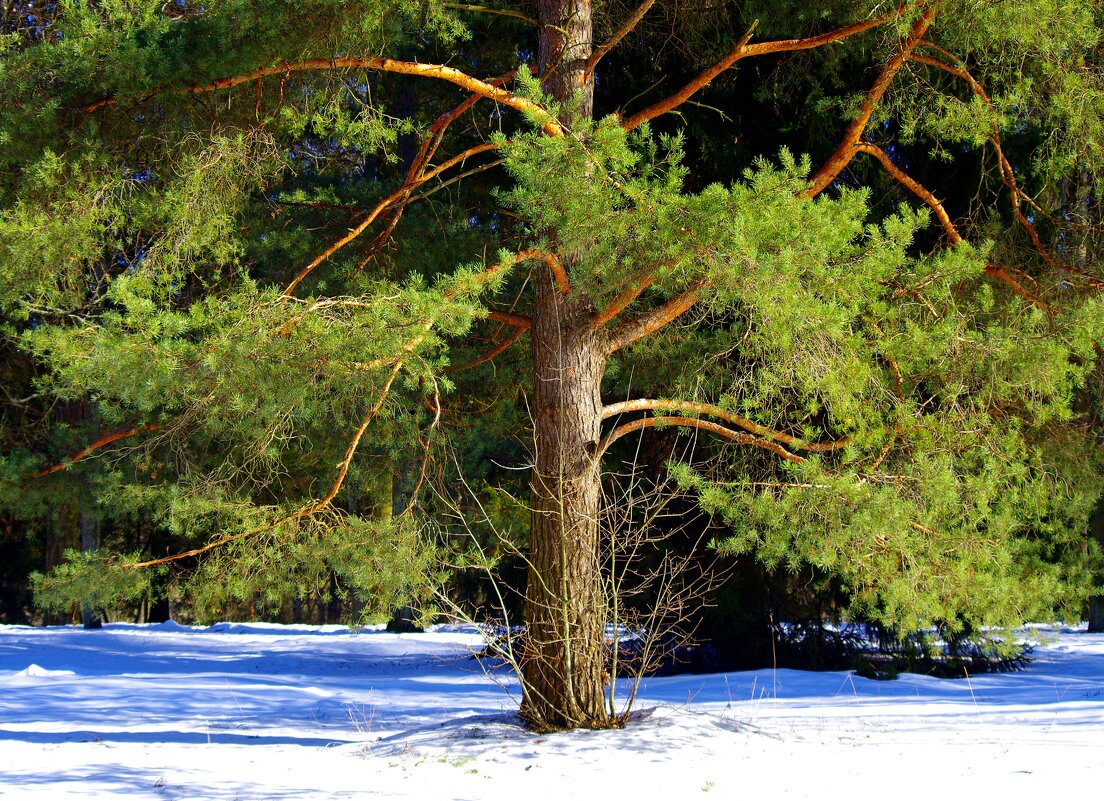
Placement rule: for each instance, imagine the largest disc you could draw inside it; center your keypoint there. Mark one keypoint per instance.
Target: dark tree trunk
(1096, 602)
(565, 612)
(89, 542)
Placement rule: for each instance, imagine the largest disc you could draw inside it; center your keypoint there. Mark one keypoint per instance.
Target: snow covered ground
(256, 712)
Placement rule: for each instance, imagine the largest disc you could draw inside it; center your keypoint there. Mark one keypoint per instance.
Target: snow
(255, 712)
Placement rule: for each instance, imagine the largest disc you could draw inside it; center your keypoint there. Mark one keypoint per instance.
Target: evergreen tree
(262, 237)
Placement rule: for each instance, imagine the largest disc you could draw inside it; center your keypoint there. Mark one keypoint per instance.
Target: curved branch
(852, 136)
(650, 404)
(436, 71)
(631, 331)
(742, 50)
(913, 186)
(622, 32)
(103, 441)
(1008, 175)
(554, 264)
(497, 349)
(704, 425)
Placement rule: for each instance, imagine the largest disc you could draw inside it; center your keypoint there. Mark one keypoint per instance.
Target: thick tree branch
(704, 425)
(436, 71)
(554, 264)
(743, 50)
(661, 405)
(622, 32)
(516, 320)
(632, 330)
(913, 186)
(623, 300)
(103, 441)
(853, 135)
(501, 12)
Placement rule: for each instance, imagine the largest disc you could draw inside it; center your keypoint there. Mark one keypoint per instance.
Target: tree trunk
(89, 542)
(564, 660)
(1096, 602)
(565, 612)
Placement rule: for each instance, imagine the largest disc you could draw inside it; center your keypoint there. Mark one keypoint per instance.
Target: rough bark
(564, 656)
(566, 42)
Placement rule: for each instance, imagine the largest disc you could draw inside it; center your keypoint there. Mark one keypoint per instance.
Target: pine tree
(224, 225)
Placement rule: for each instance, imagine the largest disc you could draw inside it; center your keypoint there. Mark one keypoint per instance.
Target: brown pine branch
(378, 64)
(554, 264)
(661, 405)
(1008, 175)
(743, 50)
(913, 186)
(517, 334)
(632, 330)
(622, 32)
(623, 300)
(501, 12)
(394, 197)
(704, 425)
(103, 441)
(1004, 274)
(350, 452)
(510, 318)
(848, 147)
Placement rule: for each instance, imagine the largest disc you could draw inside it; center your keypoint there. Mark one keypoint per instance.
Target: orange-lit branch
(103, 441)
(436, 71)
(395, 197)
(517, 320)
(517, 334)
(660, 405)
(704, 425)
(1001, 273)
(915, 187)
(554, 264)
(623, 300)
(853, 135)
(631, 331)
(1008, 175)
(743, 50)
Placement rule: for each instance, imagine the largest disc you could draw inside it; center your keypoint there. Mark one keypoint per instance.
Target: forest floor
(254, 712)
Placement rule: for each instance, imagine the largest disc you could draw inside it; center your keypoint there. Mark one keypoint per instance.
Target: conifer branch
(394, 197)
(501, 12)
(622, 32)
(631, 331)
(853, 135)
(103, 441)
(437, 71)
(743, 50)
(1008, 175)
(510, 318)
(662, 405)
